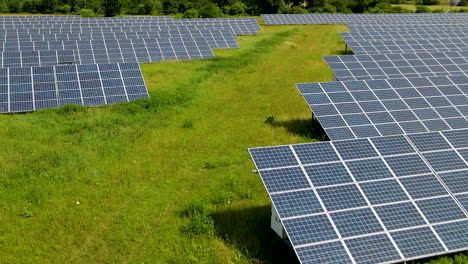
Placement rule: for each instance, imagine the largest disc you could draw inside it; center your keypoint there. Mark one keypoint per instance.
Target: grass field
(136, 182)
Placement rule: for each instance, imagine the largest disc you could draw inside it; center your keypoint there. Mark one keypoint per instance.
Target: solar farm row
(391, 185)
(124, 50)
(377, 27)
(28, 44)
(407, 46)
(399, 35)
(33, 88)
(360, 109)
(380, 66)
(217, 39)
(378, 200)
(363, 19)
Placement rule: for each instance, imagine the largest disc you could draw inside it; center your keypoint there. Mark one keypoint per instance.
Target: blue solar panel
(285, 179)
(53, 86)
(328, 174)
(456, 181)
(423, 186)
(417, 242)
(273, 157)
(381, 192)
(429, 141)
(369, 169)
(399, 215)
(333, 252)
(373, 249)
(453, 234)
(316, 153)
(296, 203)
(445, 160)
(356, 222)
(440, 209)
(341, 197)
(407, 165)
(458, 139)
(309, 229)
(355, 149)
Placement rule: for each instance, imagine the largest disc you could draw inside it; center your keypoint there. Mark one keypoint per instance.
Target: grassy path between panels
(122, 183)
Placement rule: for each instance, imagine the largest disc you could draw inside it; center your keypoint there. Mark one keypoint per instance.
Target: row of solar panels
(34, 88)
(35, 45)
(385, 189)
(364, 19)
(380, 200)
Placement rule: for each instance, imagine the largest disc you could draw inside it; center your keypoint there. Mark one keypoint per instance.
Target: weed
(200, 224)
(270, 119)
(208, 166)
(25, 213)
(187, 123)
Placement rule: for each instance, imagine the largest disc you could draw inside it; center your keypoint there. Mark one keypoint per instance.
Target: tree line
(205, 8)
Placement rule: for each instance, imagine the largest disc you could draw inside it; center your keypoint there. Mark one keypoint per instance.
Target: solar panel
(216, 38)
(402, 35)
(381, 27)
(370, 108)
(383, 66)
(33, 88)
(123, 50)
(407, 46)
(242, 26)
(383, 200)
(37, 58)
(364, 19)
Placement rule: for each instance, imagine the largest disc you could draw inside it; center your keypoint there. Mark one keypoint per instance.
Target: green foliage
(294, 10)
(463, 3)
(430, 2)
(270, 119)
(438, 10)
(191, 13)
(200, 224)
(63, 9)
(111, 7)
(236, 8)
(139, 7)
(210, 10)
(4, 7)
(87, 13)
(422, 9)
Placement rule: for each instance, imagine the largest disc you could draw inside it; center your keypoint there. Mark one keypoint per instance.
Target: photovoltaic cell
(373, 249)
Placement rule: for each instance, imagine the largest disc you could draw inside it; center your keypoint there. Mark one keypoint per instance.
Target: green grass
(164, 180)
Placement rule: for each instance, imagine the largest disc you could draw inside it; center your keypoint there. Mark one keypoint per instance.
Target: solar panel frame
(395, 230)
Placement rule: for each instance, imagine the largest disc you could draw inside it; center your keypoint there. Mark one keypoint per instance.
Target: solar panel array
(37, 58)
(407, 46)
(379, 200)
(34, 88)
(391, 185)
(365, 19)
(399, 35)
(99, 43)
(381, 66)
(372, 108)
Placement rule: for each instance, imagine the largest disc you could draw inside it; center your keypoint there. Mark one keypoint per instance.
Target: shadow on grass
(249, 231)
(306, 128)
